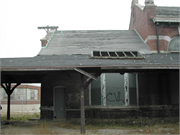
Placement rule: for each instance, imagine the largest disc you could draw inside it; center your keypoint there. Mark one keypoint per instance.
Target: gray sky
(19, 19)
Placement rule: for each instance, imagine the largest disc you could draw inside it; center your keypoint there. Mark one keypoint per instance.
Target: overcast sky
(19, 19)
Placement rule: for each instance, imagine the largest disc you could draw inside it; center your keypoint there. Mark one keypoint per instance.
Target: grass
(131, 122)
(139, 125)
(18, 116)
(135, 125)
(44, 128)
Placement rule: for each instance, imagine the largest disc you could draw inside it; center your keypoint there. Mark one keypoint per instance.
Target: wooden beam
(82, 106)
(90, 80)
(48, 27)
(85, 73)
(14, 88)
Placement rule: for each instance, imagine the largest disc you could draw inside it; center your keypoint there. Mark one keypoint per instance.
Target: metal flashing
(49, 40)
(141, 38)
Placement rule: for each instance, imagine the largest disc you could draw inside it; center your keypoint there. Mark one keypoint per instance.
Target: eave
(166, 19)
(103, 67)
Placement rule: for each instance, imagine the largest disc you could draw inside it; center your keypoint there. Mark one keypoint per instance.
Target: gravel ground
(49, 127)
(52, 128)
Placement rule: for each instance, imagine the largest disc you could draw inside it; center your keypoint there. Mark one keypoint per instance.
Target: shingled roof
(68, 62)
(85, 41)
(67, 50)
(167, 14)
(168, 11)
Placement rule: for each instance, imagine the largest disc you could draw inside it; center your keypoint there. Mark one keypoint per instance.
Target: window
(20, 93)
(174, 45)
(32, 94)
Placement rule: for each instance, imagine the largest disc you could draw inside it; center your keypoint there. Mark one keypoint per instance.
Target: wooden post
(8, 107)
(83, 87)
(82, 106)
(9, 91)
(8, 86)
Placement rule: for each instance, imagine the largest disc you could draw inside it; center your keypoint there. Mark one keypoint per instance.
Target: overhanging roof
(69, 62)
(168, 11)
(166, 19)
(167, 14)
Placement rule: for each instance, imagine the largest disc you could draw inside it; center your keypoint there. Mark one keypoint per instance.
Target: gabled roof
(85, 41)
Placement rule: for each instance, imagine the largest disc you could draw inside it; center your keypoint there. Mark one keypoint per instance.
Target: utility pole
(47, 28)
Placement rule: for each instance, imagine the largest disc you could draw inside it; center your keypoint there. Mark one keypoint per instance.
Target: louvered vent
(116, 55)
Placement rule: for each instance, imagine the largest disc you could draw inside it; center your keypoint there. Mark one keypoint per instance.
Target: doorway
(59, 103)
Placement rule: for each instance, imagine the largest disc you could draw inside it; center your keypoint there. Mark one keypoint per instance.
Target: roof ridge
(94, 30)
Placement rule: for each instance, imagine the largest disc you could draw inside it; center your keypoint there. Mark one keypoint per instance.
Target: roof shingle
(83, 42)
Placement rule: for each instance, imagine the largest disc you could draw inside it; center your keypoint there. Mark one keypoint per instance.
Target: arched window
(174, 45)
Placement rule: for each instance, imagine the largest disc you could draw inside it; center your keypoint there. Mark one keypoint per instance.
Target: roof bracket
(85, 73)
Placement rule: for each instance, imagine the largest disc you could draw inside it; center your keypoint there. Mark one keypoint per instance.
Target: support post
(9, 91)
(8, 107)
(83, 87)
(82, 106)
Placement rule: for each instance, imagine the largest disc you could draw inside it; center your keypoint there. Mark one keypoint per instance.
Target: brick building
(159, 29)
(137, 70)
(158, 26)
(24, 95)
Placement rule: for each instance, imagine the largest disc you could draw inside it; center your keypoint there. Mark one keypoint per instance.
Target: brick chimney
(50, 31)
(149, 2)
(135, 1)
(43, 41)
(141, 20)
(150, 9)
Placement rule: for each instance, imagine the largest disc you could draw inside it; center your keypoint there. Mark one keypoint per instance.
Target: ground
(21, 125)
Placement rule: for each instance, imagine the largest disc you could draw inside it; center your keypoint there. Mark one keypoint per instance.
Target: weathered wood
(8, 107)
(85, 73)
(90, 80)
(9, 91)
(83, 86)
(126, 87)
(47, 28)
(14, 88)
(103, 89)
(82, 106)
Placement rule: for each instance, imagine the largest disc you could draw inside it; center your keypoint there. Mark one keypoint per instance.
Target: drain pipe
(157, 33)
